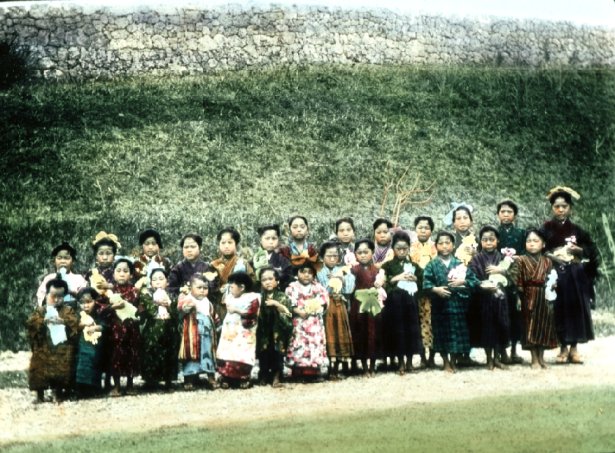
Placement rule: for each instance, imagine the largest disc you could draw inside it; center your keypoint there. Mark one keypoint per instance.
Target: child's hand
(141, 283)
(491, 269)
(442, 291)
(457, 283)
(186, 308)
(184, 289)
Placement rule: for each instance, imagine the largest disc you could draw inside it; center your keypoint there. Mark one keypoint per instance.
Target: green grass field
(251, 147)
(578, 420)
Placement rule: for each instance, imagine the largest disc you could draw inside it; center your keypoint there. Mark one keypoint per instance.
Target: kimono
(198, 337)
(273, 334)
(52, 365)
(236, 352)
(159, 339)
(180, 275)
(514, 238)
(473, 308)
(225, 267)
(382, 252)
(448, 315)
(422, 253)
(495, 322)
(106, 272)
(307, 352)
(400, 315)
(575, 283)
(277, 261)
(538, 321)
(365, 328)
(75, 283)
(296, 258)
(144, 265)
(90, 357)
(337, 323)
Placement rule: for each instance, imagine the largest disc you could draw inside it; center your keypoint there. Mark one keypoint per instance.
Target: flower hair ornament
(573, 193)
(448, 218)
(112, 237)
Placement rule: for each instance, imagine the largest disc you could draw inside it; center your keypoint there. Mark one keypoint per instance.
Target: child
(198, 340)
(105, 248)
(532, 271)
(158, 332)
(299, 250)
(344, 232)
(307, 352)
(382, 240)
(191, 264)
(274, 329)
(511, 237)
(91, 344)
(125, 338)
(64, 257)
(422, 251)
(339, 282)
(150, 258)
(52, 333)
(400, 316)
(236, 353)
(449, 284)
(365, 327)
(268, 255)
(491, 297)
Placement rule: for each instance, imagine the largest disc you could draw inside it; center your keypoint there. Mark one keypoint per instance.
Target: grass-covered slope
(251, 147)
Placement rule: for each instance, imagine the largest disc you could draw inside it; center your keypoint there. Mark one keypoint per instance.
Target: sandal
(561, 358)
(574, 357)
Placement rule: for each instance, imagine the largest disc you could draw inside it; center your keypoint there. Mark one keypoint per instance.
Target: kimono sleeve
(429, 276)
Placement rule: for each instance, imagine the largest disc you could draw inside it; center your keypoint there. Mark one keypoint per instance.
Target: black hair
(131, 266)
(230, 230)
(64, 246)
(242, 279)
(511, 204)
(462, 208)
(305, 265)
(369, 242)
(89, 291)
(379, 221)
(198, 276)
(400, 236)
(347, 220)
(195, 237)
(445, 233)
(428, 219)
(262, 270)
(537, 232)
(262, 230)
(158, 269)
(486, 228)
(291, 219)
(565, 195)
(150, 233)
(326, 246)
(56, 282)
(105, 241)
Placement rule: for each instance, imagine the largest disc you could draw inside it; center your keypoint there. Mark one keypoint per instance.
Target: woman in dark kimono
(576, 262)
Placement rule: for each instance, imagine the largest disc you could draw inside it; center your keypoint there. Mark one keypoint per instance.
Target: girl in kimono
(236, 352)
(382, 241)
(198, 337)
(307, 353)
(339, 282)
(105, 246)
(89, 363)
(158, 332)
(191, 264)
(422, 251)
(274, 328)
(491, 296)
(299, 250)
(532, 271)
(52, 332)
(269, 256)
(150, 257)
(400, 316)
(63, 259)
(344, 232)
(365, 327)
(449, 284)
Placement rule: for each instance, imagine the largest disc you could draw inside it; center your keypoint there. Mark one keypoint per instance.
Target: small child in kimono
(91, 344)
(64, 257)
(269, 255)
(105, 246)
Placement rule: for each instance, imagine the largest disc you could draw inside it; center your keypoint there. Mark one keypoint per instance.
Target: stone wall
(69, 39)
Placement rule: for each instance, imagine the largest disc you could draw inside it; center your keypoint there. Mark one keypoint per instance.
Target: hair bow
(573, 193)
(112, 237)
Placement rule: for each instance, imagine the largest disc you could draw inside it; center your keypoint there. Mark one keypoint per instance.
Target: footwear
(245, 385)
(499, 365)
(188, 386)
(575, 357)
(561, 358)
(515, 359)
(115, 393)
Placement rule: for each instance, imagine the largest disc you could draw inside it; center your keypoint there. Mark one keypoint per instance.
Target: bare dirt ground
(22, 420)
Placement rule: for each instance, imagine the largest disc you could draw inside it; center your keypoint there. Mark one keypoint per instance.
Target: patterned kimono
(307, 352)
(337, 324)
(106, 272)
(495, 322)
(422, 253)
(473, 313)
(575, 283)
(273, 334)
(236, 352)
(296, 258)
(75, 283)
(366, 329)
(52, 365)
(144, 264)
(448, 315)
(513, 237)
(198, 336)
(276, 261)
(225, 267)
(400, 315)
(538, 321)
(381, 252)
(89, 362)
(159, 340)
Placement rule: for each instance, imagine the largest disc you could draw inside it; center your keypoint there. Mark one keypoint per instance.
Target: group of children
(299, 311)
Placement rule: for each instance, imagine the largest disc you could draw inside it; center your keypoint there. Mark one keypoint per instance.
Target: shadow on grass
(13, 379)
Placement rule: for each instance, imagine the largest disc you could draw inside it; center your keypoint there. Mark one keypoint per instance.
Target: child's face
(105, 256)
(227, 245)
(423, 231)
(87, 304)
(63, 260)
(305, 276)
(345, 233)
(506, 215)
(159, 281)
(561, 209)
(462, 222)
(199, 289)
(191, 249)
(268, 281)
(121, 273)
(270, 240)
(151, 247)
(401, 250)
(298, 229)
(444, 246)
(534, 244)
(364, 254)
(55, 296)
(331, 257)
(382, 235)
(489, 241)
(236, 290)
